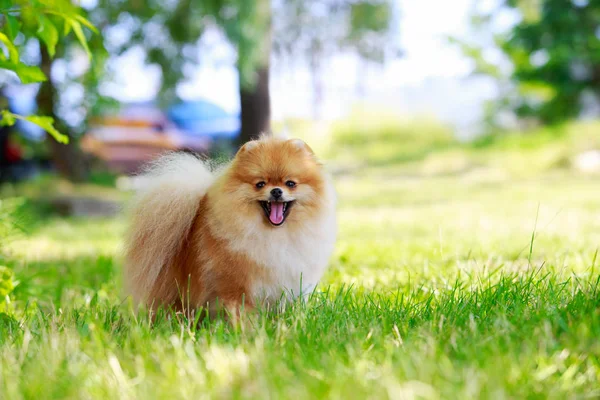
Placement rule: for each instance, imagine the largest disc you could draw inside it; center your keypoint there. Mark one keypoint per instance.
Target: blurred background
(497, 89)
(366, 82)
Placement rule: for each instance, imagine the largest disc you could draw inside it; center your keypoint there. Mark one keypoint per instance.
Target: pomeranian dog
(249, 234)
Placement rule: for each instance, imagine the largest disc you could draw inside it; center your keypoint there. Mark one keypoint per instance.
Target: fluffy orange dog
(251, 233)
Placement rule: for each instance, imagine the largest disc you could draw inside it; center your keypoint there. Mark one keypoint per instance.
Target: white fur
(163, 211)
(250, 145)
(299, 143)
(294, 260)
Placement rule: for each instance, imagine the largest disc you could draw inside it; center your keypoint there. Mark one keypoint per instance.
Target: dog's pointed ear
(301, 145)
(248, 146)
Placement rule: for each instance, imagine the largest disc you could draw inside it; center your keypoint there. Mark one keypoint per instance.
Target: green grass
(375, 140)
(446, 286)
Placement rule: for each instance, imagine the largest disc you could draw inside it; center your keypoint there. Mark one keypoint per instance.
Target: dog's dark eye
(260, 185)
(290, 184)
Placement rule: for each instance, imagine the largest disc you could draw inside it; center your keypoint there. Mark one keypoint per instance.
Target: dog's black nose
(276, 193)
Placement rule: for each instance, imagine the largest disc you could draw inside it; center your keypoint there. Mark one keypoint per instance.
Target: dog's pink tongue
(276, 216)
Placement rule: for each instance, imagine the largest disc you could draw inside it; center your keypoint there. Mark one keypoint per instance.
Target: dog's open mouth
(276, 211)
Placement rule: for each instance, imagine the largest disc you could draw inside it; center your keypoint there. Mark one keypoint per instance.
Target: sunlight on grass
(441, 286)
(376, 138)
(68, 239)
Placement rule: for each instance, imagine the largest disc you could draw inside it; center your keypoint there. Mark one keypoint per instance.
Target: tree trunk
(256, 107)
(255, 100)
(67, 158)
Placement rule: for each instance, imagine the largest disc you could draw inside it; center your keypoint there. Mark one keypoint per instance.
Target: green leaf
(67, 27)
(47, 124)
(6, 4)
(27, 73)
(86, 23)
(12, 50)
(7, 283)
(48, 33)
(8, 118)
(70, 19)
(80, 36)
(12, 26)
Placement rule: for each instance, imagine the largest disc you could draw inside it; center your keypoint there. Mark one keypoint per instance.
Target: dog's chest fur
(293, 262)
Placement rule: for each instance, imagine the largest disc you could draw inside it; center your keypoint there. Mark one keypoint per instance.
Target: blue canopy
(202, 118)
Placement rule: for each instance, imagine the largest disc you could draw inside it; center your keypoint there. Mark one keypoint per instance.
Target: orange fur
(200, 238)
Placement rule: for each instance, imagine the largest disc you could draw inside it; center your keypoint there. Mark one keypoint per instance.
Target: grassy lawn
(474, 285)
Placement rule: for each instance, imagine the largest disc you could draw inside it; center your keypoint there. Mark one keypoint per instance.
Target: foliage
(553, 56)
(50, 21)
(8, 229)
(247, 24)
(165, 30)
(169, 31)
(311, 32)
(250, 26)
(5, 220)
(47, 123)
(323, 27)
(556, 54)
(7, 285)
(370, 28)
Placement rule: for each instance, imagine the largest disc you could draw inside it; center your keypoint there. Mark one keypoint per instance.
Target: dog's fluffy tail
(162, 213)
